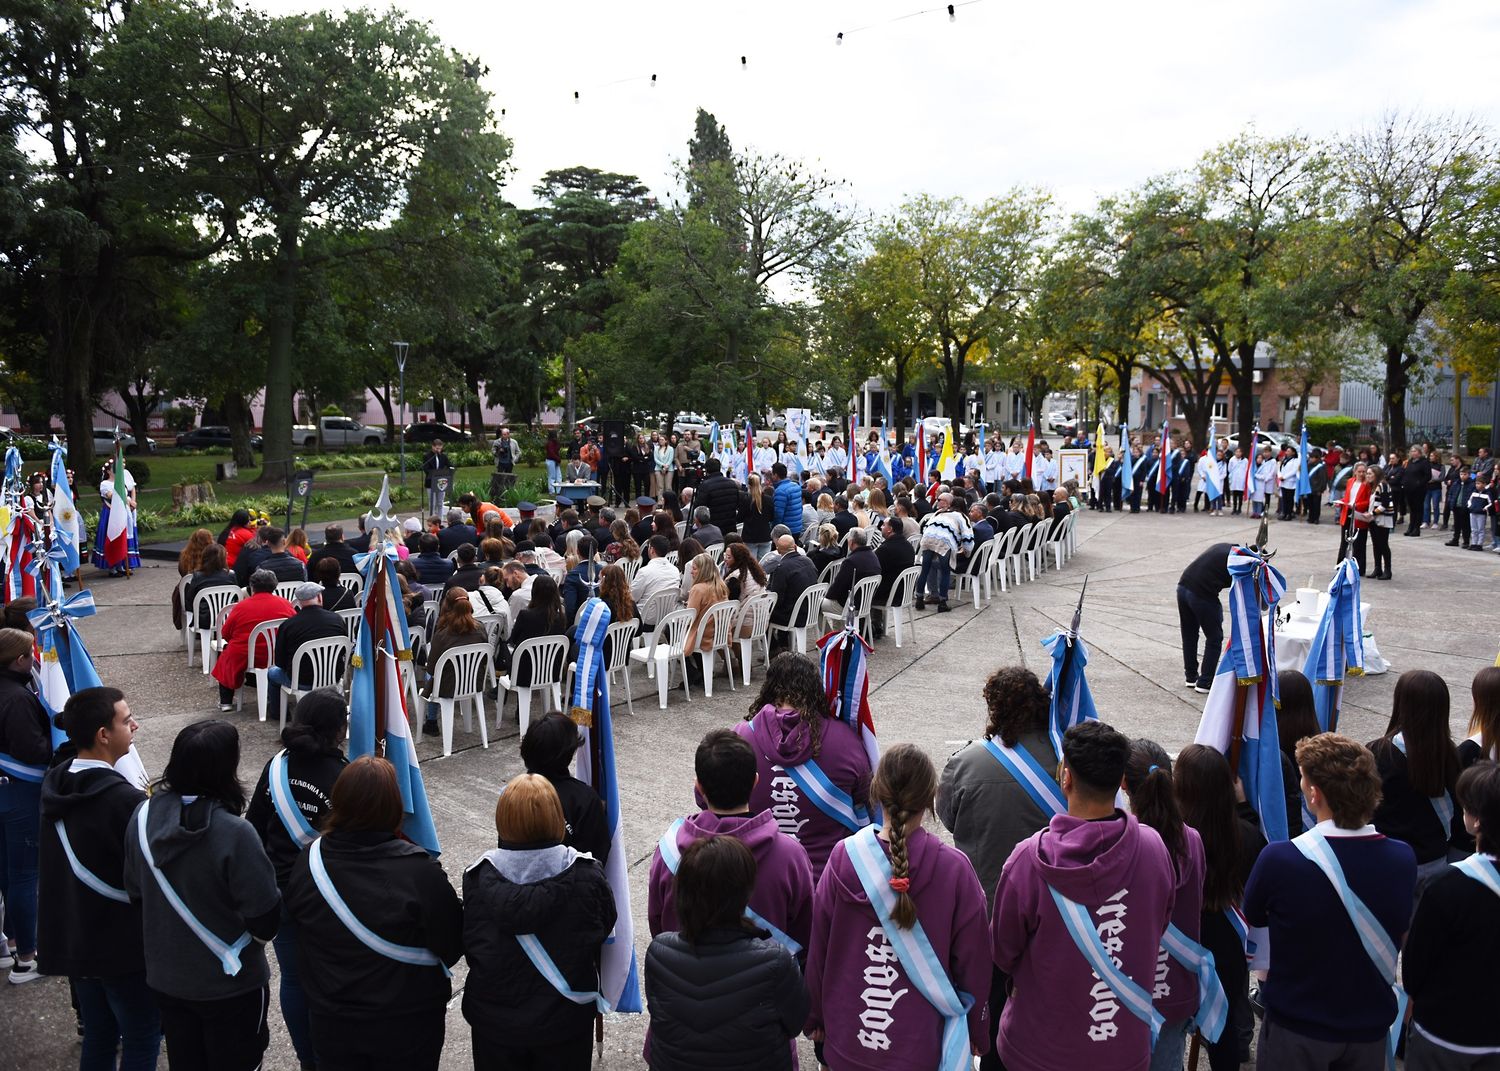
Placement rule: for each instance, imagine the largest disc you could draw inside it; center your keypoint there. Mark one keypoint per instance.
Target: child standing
(1459, 492)
(1480, 502)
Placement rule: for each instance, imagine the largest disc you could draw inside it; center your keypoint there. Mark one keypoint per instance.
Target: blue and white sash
(1241, 929)
(1029, 774)
(671, 857)
(1481, 869)
(549, 970)
(833, 801)
(413, 957)
(1080, 926)
(21, 771)
(83, 873)
(1213, 1005)
(296, 823)
(1378, 944)
(914, 950)
(1442, 805)
(227, 954)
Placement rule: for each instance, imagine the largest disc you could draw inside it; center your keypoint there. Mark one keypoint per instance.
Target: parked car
(1062, 423)
(427, 430)
(104, 442)
(337, 431)
(211, 435)
(686, 422)
(1277, 439)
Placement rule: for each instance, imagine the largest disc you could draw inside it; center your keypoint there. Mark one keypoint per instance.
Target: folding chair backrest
(326, 658)
(672, 629)
(470, 665)
(806, 608)
(672, 556)
(716, 552)
(547, 656)
(861, 594)
(353, 583)
(351, 618)
(826, 576)
(658, 606)
(904, 591)
(617, 640)
(630, 566)
(216, 601)
(721, 617)
(755, 612)
(263, 633)
(287, 588)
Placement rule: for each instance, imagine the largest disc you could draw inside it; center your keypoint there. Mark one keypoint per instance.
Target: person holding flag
(1212, 470)
(67, 522)
(115, 546)
(26, 746)
(1029, 472)
(947, 462)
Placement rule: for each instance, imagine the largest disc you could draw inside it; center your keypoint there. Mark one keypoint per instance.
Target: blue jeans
(1432, 512)
(554, 477)
(934, 565)
(21, 814)
(276, 679)
(293, 1000)
(118, 1011)
(1167, 1056)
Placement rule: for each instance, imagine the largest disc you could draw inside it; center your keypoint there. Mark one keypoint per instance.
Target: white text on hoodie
(784, 799)
(878, 997)
(1112, 933)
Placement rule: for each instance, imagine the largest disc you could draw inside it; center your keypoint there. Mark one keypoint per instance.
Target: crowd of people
(1075, 922)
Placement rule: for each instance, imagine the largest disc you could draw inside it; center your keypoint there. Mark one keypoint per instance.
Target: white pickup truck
(336, 431)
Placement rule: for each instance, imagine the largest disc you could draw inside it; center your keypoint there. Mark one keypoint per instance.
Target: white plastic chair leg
(897, 614)
(445, 716)
(207, 652)
(661, 678)
(523, 708)
(746, 648)
(706, 661)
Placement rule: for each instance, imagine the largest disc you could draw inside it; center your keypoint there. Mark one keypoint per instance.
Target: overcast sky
(1082, 97)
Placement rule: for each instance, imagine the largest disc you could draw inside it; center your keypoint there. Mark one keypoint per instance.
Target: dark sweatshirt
(311, 778)
(79, 931)
(1448, 965)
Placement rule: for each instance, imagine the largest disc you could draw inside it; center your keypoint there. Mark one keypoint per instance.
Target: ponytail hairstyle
(1148, 782)
(905, 786)
(321, 723)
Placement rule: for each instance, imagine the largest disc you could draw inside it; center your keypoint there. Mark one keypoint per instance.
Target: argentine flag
(1213, 477)
(67, 522)
(1127, 470)
(1337, 648)
(376, 696)
(1304, 485)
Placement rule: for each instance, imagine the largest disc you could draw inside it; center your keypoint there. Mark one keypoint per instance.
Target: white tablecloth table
(1294, 640)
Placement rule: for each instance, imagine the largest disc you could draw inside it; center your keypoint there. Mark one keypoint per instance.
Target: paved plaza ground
(1437, 614)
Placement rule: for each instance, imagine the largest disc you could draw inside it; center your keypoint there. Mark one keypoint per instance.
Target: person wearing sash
(548, 749)
(1094, 875)
(1212, 803)
(1149, 787)
(781, 900)
(25, 754)
(1418, 767)
(89, 929)
(1329, 1003)
(1483, 741)
(536, 913)
(1449, 962)
(378, 926)
(897, 968)
(990, 796)
(287, 808)
(813, 774)
(722, 993)
(209, 903)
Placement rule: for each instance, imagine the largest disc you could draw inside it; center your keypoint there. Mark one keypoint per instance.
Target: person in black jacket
(860, 563)
(721, 992)
(276, 560)
(896, 555)
(468, 574)
(1198, 610)
(793, 575)
(548, 749)
(25, 753)
(456, 532)
(310, 622)
(369, 1010)
(533, 884)
(1412, 483)
(333, 547)
(335, 596)
(311, 759)
(720, 495)
(1449, 958)
(86, 930)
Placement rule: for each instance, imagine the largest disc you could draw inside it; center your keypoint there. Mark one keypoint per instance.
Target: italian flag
(117, 535)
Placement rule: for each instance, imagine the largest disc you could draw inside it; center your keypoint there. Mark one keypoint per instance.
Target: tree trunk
(1395, 399)
(238, 415)
(1302, 409)
(898, 386)
(1122, 415)
(439, 409)
(77, 398)
(384, 398)
(476, 411)
(570, 410)
(1458, 414)
(276, 419)
(1242, 378)
(953, 382)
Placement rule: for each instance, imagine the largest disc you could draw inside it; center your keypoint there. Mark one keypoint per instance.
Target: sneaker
(225, 708)
(944, 608)
(920, 604)
(1474, 546)
(24, 972)
(1191, 682)
(1200, 689)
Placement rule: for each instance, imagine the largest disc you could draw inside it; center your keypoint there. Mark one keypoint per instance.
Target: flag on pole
(1213, 477)
(1304, 483)
(1127, 469)
(1338, 646)
(922, 467)
(853, 473)
(117, 529)
(1070, 702)
(1030, 446)
(713, 439)
(1250, 460)
(947, 461)
(1101, 459)
(618, 980)
(20, 577)
(64, 666)
(749, 450)
(67, 525)
(843, 656)
(1163, 450)
(1239, 717)
(13, 465)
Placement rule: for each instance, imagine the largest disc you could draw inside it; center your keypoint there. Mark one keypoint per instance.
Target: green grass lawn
(334, 493)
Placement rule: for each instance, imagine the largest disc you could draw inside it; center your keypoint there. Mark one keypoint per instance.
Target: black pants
(1361, 537)
(1313, 504)
(411, 1042)
(620, 471)
(1229, 964)
(999, 994)
(1288, 508)
(1111, 493)
(1381, 539)
(1237, 500)
(1415, 502)
(215, 1035)
(1135, 499)
(490, 1054)
(1195, 614)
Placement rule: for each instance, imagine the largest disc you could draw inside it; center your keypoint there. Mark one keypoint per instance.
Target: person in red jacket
(260, 606)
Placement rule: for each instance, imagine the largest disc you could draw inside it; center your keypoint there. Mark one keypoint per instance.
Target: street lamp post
(401, 350)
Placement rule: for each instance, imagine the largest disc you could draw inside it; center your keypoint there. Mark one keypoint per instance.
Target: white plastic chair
(672, 556)
(546, 657)
(288, 588)
(975, 572)
(666, 643)
(496, 626)
(861, 594)
(473, 669)
(1057, 542)
(353, 583)
(630, 566)
(187, 621)
(216, 601)
(754, 623)
(716, 552)
(263, 633)
(619, 638)
(659, 606)
(1000, 560)
(327, 658)
(351, 618)
(720, 617)
(900, 604)
(829, 571)
(1035, 549)
(805, 610)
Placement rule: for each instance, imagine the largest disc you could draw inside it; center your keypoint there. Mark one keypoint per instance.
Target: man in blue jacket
(786, 500)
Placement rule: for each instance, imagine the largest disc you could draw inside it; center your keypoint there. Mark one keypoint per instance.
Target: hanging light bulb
(437, 130)
(952, 15)
(221, 158)
(141, 168)
(744, 63)
(653, 81)
(502, 113)
(575, 94)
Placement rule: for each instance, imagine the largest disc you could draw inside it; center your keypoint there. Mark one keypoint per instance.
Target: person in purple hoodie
(1148, 784)
(1060, 1016)
(799, 746)
(782, 896)
(869, 1012)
